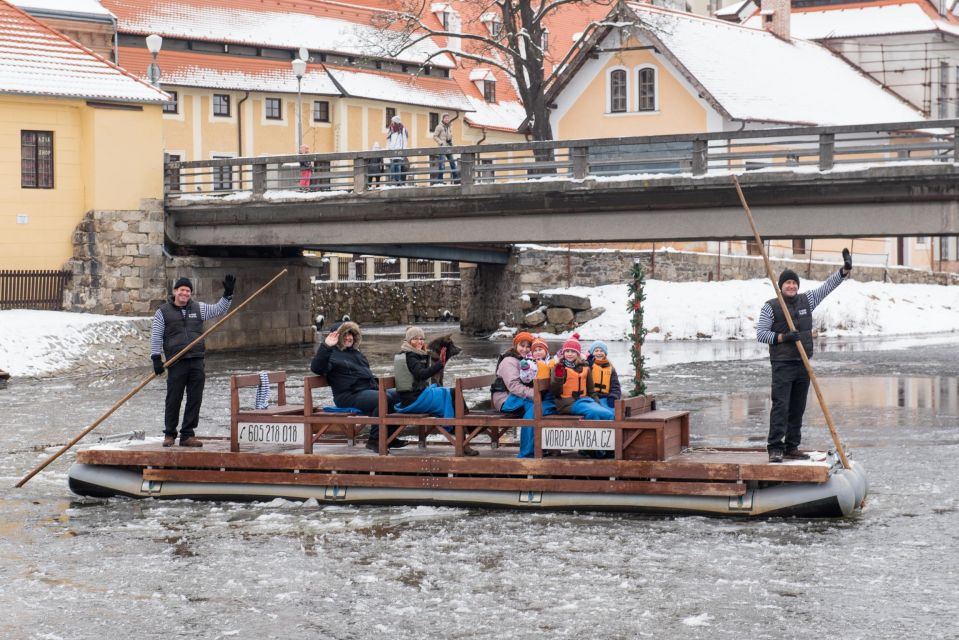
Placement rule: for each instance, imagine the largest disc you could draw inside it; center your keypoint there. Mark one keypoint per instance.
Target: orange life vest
(575, 384)
(542, 370)
(602, 377)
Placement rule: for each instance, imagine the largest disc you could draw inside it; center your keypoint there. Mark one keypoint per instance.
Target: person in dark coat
(176, 324)
(790, 380)
(351, 380)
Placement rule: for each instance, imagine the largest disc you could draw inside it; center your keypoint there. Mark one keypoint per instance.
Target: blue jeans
(513, 404)
(396, 171)
(441, 166)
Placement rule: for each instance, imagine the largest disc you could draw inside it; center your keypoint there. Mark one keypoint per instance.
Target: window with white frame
(489, 90)
(494, 24)
(646, 84)
(273, 109)
(617, 91)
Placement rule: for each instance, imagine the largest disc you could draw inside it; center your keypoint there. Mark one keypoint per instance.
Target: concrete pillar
(404, 269)
(371, 269)
(490, 295)
(437, 269)
(334, 268)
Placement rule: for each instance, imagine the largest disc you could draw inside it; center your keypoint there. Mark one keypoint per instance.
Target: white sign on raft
(574, 438)
(270, 433)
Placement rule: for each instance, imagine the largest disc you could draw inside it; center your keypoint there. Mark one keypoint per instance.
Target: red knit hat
(572, 343)
(522, 336)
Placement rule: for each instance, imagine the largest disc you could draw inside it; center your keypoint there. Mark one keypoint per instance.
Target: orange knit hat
(522, 336)
(539, 342)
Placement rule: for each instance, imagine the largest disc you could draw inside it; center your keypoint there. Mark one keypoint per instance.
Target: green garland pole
(636, 297)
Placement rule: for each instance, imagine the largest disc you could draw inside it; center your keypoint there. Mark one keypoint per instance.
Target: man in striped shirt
(790, 380)
(176, 324)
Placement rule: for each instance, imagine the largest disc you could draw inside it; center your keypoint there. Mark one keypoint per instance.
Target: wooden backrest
(633, 406)
(253, 380)
(384, 383)
(469, 382)
(539, 385)
(310, 383)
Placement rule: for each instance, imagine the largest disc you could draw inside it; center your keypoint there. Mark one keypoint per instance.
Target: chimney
(775, 17)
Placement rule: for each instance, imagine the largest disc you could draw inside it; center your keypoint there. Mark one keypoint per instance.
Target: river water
(78, 568)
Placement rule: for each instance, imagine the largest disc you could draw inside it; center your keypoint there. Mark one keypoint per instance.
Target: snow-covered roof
(267, 23)
(405, 89)
(503, 116)
(480, 74)
(823, 23)
(190, 69)
(764, 78)
(72, 8)
(36, 60)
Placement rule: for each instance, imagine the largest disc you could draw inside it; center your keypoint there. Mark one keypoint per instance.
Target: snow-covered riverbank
(44, 343)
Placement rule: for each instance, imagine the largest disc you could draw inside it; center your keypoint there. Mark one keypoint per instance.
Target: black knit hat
(183, 282)
(788, 274)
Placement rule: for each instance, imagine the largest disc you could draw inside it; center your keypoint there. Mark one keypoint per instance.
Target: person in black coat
(352, 381)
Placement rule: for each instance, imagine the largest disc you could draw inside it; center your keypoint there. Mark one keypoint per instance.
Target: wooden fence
(33, 289)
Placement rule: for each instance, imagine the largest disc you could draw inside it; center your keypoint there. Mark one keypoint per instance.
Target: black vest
(181, 329)
(802, 319)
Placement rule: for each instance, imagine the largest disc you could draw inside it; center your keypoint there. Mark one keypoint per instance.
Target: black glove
(792, 336)
(229, 282)
(846, 260)
(157, 364)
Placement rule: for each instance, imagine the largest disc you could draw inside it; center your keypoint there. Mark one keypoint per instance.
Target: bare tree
(514, 42)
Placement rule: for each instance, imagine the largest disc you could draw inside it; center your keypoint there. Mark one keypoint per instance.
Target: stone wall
(493, 294)
(544, 269)
(280, 316)
(387, 301)
(118, 265)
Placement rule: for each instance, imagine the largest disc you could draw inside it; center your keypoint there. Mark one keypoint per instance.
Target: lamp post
(154, 42)
(299, 68)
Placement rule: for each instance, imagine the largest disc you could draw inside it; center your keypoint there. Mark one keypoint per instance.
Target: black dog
(434, 347)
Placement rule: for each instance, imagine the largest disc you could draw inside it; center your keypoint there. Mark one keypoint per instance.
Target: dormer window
(442, 12)
(493, 24)
(485, 83)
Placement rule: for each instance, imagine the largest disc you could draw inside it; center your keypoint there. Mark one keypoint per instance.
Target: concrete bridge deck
(898, 179)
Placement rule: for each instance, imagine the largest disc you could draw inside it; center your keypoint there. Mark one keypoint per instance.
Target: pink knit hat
(573, 343)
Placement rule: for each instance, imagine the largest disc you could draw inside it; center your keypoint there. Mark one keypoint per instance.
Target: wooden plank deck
(436, 466)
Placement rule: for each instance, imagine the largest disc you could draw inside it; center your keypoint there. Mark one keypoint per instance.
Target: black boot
(775, 455)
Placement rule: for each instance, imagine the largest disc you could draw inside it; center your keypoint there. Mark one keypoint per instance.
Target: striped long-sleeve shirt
(764, 325)
(207, 312)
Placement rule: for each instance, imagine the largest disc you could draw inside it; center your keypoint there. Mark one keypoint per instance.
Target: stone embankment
(388, 301)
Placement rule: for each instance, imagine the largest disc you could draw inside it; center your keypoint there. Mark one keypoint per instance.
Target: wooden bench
(424, 422)
(318, 423)
(237, 415)
(641, 431)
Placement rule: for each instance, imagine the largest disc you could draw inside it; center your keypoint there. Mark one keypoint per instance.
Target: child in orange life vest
(539, 352)
(605, 379)
(572, 384)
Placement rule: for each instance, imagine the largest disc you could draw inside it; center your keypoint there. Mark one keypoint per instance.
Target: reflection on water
(940, 394)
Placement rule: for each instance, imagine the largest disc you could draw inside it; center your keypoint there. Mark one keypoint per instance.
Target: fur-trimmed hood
(342, 328)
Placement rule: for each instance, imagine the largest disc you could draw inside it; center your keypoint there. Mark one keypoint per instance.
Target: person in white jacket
(397, 137)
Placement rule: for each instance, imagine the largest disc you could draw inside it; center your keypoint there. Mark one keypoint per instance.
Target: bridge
(895, 179)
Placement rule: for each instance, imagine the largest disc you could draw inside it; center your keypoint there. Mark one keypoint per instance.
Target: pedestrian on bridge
(306, 170)
(790, 380)
(397, 137)
(176, 324)
(443, 136)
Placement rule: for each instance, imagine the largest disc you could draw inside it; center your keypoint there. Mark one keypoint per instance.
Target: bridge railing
(818, 148)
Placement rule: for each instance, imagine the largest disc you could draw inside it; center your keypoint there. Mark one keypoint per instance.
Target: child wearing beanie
(571, 382)
(605, 378)
(539, 353)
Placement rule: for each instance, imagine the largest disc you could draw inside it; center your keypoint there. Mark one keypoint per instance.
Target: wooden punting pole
(792, 327)
(40, 467)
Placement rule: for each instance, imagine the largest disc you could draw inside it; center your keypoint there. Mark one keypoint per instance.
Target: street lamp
(154, 42)
(299, 68)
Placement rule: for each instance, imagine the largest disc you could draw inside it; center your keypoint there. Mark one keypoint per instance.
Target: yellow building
(77, 133)
(654, 71)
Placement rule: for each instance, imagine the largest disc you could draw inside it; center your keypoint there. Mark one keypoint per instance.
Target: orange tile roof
(36, 60)
(193, 69)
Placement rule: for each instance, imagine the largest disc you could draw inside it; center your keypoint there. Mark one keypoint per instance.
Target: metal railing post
(259, 178)
(827, 151)
(580, 162)
(955, 144)
(699, 163)
(359, 175)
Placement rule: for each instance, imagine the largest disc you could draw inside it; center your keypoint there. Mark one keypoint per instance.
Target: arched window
(646, 82)
(617, 91)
